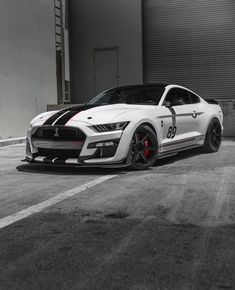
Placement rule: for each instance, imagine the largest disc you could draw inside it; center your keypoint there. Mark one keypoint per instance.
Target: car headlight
(109, 127)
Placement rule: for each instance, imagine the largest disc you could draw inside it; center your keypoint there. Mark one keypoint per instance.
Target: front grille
(62, 154)
(59, 133)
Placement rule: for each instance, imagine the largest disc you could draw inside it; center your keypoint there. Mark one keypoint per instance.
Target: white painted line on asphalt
(212, 220)
(221, 203)
(179, 192)
(8, 220)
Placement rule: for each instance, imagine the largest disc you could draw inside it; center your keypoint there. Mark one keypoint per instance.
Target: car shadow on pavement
(68, 170)
(73, 170)
(180, 156)
(232, 139)
(188, 154)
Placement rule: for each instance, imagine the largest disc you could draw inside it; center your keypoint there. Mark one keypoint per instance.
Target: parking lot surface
(170, 227)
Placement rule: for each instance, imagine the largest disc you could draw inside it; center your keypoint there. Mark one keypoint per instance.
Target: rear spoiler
(210, 101)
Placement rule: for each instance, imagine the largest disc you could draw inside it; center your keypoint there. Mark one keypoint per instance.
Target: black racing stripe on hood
(53, 118)
(72, 112)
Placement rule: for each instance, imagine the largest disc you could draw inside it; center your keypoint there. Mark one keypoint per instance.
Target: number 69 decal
(171, 132)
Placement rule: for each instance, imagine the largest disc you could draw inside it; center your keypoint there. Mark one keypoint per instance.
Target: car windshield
(135, 96)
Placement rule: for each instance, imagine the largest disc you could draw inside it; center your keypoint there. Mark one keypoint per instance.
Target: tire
(213, 136)
(143, 150)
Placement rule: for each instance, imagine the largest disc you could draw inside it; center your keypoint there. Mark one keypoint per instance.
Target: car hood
(90, 114)
(107, 114)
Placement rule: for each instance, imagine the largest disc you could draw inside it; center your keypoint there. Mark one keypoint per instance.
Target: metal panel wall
(191, 43)
(103, 24)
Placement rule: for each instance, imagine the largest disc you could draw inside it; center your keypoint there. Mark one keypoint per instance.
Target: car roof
(138, 86)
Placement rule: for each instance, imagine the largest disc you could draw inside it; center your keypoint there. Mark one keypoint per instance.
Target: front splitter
(73, 162)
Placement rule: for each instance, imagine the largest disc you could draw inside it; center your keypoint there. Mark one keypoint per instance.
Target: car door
(180, 128)
(198, 109)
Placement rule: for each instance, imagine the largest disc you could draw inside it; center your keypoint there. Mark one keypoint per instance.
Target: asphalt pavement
(169, 227)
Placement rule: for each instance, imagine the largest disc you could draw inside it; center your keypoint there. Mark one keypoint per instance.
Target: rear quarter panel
(210, 111)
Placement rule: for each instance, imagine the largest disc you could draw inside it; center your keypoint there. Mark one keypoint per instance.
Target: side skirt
(176, 151)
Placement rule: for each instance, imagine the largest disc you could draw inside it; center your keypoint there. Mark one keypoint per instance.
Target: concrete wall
(228, 108)
(98, 24)
(27, 63)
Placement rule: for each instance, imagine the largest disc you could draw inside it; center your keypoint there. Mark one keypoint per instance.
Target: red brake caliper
(146, 151)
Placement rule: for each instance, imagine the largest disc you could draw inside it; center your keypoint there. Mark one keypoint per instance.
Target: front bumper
(113, 148)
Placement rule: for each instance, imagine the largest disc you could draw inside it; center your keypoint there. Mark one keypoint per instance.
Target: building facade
(27, 63)
(112, 43)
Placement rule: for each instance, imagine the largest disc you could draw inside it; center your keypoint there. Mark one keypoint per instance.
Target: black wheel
(213, 136)
(143, 149)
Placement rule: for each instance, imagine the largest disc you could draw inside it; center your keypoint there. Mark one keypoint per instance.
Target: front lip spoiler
(121, 164)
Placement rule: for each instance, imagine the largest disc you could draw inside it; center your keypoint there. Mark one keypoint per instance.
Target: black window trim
(191, 93)
(178, 88)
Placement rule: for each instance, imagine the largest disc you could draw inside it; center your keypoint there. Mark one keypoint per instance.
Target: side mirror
(167, 104)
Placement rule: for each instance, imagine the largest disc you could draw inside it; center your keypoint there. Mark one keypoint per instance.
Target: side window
(171, 97)
(148, 95)
(178, 97)
(184, 97)
(194, 99)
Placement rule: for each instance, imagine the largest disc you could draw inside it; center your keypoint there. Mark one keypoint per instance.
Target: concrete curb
(12, 141)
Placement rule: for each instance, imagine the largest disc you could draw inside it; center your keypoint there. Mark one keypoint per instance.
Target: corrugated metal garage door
(191, 42)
